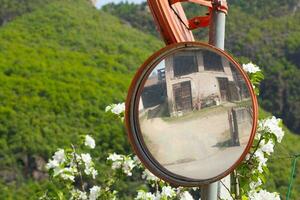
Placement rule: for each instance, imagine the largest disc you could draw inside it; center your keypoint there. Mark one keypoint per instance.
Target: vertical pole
(216, 38)
(217, 29)
(209, 192)
(294, 165)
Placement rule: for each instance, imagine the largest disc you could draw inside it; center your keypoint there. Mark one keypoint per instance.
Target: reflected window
(212, 61)
(161, 74)
(183, 96)
(185, 64)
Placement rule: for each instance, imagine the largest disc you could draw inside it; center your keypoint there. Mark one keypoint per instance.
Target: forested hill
(266, 32)
(10, 9)
(60, 65)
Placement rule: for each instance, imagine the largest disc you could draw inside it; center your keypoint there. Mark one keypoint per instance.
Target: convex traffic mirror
(191, 114)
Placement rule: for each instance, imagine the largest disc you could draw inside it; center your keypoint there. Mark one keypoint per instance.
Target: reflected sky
(101, 3)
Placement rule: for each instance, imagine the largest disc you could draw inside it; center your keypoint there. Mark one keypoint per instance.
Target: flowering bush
(255, 75)
(75, 168)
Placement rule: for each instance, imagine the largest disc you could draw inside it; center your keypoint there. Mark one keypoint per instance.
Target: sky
(100, 3)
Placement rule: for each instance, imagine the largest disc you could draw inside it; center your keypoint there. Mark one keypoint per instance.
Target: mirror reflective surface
(191, 114)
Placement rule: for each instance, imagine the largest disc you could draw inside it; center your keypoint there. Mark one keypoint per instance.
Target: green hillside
(59, 67)
(10, 9)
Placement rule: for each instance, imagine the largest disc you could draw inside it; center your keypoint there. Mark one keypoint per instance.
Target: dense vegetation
(60, 65)
(10, 9)
(265, 32)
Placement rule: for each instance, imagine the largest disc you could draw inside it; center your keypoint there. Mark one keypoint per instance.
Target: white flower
(142, 195)
(115, 157)
(67, 173)
(254, 185)
(261, 158)
(94, 173)
(57, 159)
(59, 156)
(88, 164)
(167, 191)
(94, 192)
(186, 196)
(263, 195)
(68, 177)
(90, 170)
(116, 165)
(248, 156)
(83, 196)
(128, 165)
(52, 164)
(86, 158)
(257, 135)
(78, 195)
(251, 68)
(117, 108)
(147, 175)
(267, 148)
(76, 160)
(272, 125)
(89, 141)
(122, 162)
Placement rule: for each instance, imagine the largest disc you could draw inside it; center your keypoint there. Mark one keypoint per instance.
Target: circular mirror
(191, 114)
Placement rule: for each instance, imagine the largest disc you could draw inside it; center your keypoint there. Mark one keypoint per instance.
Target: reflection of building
(199, 79)
(154, 92)
(212, 95)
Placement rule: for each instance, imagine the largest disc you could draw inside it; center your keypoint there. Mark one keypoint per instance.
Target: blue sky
(103, 2)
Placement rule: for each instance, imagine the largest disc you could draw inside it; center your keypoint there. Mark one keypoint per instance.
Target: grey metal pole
(209, 192)
(216, 38)
(217, 29)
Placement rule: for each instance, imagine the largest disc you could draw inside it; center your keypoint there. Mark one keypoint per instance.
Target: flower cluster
(269, 133)
(57, 159)
(77, 194)
(68, 165)
(117, 109)
(273, 126)
(125, 163)
(142, 195)
(163, 191)
(166, 192)
(255, 75)
(88, 165)
(89, 141)
(95, 192)
(62, 167)
(264, 195)
(251, 68)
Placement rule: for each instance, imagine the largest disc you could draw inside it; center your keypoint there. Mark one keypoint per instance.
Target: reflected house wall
(206, 80)
(153, 92)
